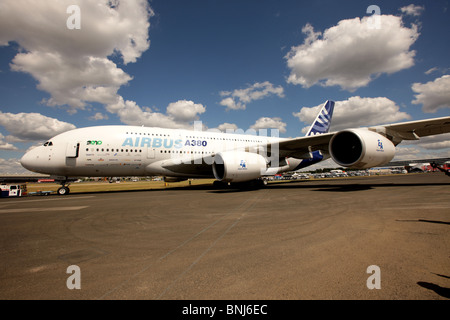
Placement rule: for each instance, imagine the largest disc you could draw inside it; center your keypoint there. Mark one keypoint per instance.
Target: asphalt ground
(288, 241)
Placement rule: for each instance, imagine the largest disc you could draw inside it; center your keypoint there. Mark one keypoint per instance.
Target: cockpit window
(48, 143)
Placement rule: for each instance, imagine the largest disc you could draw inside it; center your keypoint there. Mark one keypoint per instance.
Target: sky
(231, 64)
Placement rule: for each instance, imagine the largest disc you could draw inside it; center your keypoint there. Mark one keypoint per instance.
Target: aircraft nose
(29, 160)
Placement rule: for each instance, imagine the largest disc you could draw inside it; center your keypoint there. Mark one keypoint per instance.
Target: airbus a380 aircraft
(116, 151)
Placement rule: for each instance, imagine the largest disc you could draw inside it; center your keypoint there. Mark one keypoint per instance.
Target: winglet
(323, 120)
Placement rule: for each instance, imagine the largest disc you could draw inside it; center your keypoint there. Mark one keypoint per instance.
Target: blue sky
(230, 64)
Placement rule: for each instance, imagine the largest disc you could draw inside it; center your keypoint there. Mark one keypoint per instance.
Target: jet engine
(361, 149)
(238, 166)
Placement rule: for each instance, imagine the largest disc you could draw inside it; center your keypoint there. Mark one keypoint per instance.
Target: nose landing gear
(64, 190)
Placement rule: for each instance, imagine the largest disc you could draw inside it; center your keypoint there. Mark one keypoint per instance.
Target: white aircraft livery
(117, 151)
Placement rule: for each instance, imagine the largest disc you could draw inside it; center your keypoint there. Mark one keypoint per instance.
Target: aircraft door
(150, 153)
(73, 150)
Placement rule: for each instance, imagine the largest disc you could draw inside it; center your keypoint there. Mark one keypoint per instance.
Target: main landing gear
(64, 190)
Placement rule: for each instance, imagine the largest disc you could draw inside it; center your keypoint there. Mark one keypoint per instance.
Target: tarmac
(364, 238)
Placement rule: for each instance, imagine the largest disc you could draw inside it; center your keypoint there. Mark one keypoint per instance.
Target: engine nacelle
(238, 166)
(361, 149)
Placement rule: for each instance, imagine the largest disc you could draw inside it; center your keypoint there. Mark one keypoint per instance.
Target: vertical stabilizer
(322, 122)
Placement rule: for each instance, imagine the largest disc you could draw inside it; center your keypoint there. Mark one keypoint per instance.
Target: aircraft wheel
(63, 191)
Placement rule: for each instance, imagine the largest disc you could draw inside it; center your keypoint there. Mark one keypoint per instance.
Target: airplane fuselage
(135, 151)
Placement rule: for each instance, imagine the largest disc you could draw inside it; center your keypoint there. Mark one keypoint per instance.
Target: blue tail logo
(323, 120)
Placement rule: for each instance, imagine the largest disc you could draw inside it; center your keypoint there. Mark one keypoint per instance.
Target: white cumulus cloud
(6, 145)
(238, 98)
(437, 146)
(12, 166)
(435, 142)
(269, 123)
(179, 115)
(185, 111)
(352, 53)
(99, 116)
(224, 127)
(433, 95)
(74, 66)
(412, 10)
(32, 126)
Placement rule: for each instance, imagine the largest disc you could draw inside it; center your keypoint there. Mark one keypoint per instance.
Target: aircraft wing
(301, 148)
(413, 130)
